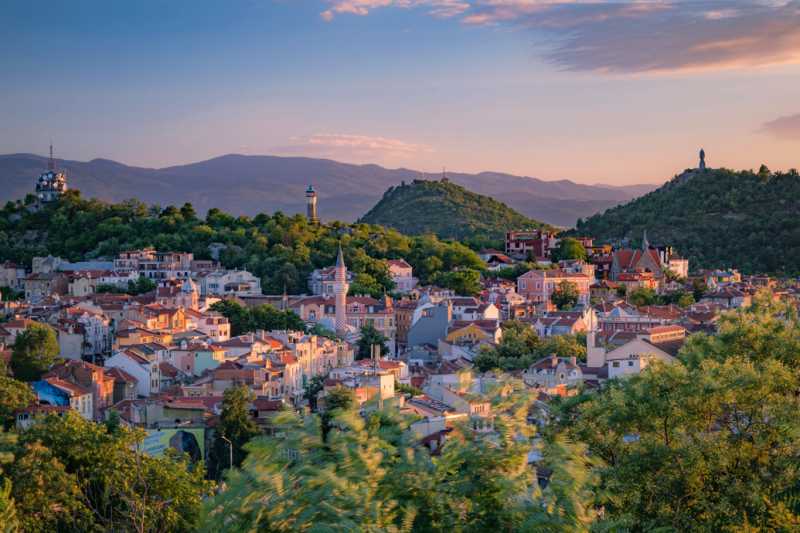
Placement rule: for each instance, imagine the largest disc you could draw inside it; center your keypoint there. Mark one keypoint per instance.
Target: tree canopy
(35, 350)
(70, 474)
(280, 249)
(367, 475)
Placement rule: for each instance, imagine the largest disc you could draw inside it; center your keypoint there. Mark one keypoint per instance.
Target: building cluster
(163, 359)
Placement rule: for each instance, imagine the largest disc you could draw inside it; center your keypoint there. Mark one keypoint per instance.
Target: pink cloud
(628, 36)
(787, 127)
(350, 146)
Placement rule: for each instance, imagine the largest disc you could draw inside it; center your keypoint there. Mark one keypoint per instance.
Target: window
(630, 363)
(615, 364)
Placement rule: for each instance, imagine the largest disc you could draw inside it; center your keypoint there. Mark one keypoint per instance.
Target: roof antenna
(51, 163)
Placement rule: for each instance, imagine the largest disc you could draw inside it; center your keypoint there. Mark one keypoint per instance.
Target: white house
(146, 372)
(659, 343)
(402, 274)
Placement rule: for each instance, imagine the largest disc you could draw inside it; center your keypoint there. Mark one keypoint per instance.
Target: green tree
(337, 400)
(237, 425)
(466, 282)
(125, 489)
(569, 249)
(35, 350)
(679, 445)
(13, 395)
(367, 474)
(46, 496)
(565, 296)
(8, 511)
(142, 285)
(369, 337)
(312, 389)
(265, 317)
(643, 296)
(765, 331)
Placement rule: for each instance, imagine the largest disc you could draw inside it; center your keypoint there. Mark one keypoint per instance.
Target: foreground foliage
(367, 475)
(710, 443)
(69, 474)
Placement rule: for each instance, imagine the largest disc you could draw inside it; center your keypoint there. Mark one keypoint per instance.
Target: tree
(265, 317)
(142, 285)
(124, 489)
(35, 350)
(338, 400)
(643, 296)
(237, 425)
(680, 445)
(569, 249)
(46, 496)
(565, 296)
(368, 474)
(8, 511)
(767, 330)
(321, 331)
(13, 395)
(520, 347)
(466, 282)
(369, 337)
(312, 389)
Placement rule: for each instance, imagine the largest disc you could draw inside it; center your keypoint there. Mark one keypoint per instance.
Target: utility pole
(230, 451)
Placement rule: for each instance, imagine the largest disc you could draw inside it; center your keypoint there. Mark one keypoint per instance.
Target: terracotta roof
(71, 388)
(167, 369)
(120, 376)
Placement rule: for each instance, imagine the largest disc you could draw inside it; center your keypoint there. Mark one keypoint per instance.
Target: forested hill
(717, 218)
(280, 249)
(446, 210)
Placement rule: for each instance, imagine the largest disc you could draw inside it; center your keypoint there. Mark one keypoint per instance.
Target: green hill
(717, 218)
(446, 210)
(280, 249)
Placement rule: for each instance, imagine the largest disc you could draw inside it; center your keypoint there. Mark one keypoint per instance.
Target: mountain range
(243, 184)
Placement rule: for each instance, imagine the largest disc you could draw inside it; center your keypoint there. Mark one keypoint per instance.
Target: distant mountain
(445, 209)
(716, 218)
(251, 184)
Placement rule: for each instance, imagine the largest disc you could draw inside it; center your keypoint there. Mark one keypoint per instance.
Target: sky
(615, 92)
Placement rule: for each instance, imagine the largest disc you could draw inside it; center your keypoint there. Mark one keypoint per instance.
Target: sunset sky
(611, 92)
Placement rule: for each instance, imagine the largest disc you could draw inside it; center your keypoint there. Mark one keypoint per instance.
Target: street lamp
(230, 450)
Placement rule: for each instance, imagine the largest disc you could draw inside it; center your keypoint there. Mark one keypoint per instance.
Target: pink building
(537, 286)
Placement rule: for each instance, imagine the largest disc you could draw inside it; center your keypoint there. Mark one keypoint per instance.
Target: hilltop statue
(702, 165)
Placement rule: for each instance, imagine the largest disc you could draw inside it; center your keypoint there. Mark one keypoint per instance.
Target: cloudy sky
(617, 91)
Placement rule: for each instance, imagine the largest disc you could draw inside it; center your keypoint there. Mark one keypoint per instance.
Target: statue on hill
(702, 166)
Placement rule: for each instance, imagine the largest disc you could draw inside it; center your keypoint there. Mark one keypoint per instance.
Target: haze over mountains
(251, 184)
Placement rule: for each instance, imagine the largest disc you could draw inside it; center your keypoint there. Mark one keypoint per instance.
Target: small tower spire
(311, 205)
(645, 242)
(340, 288)
(51, 163)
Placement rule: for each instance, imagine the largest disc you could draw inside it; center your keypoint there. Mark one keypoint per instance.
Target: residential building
(403, 275)
(530, 244)
(537, 286)
(229, 283)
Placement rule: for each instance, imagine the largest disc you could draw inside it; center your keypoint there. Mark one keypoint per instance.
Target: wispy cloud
(787, 127)
(349, 146)
(629, 36)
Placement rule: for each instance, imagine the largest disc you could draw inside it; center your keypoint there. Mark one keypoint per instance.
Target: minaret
(645, 242)
(51, 163)
(340, 288)
(702, 165)
(311, 209)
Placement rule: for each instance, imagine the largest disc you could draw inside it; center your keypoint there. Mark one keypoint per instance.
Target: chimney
(554, 360)
(573, 360)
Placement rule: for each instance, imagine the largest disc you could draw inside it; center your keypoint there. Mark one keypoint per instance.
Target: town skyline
(542, 89)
